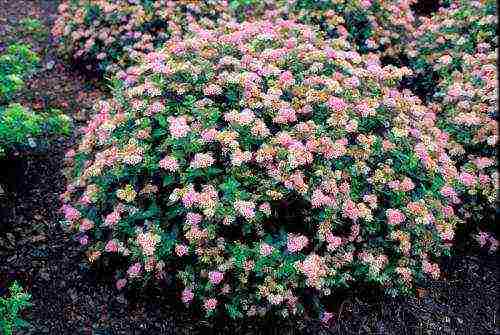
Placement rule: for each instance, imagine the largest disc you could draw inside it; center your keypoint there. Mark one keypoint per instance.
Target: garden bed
(71, 298)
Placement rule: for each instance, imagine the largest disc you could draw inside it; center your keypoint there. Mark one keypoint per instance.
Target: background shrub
(455, 51)
(17, 63)
(439, 42)
(24, 130)
(107, 35)
(265, 167)
(370, 25)
(20, 128)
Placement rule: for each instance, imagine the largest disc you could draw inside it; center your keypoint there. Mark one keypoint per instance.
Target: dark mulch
(426, 7)
(71, 298)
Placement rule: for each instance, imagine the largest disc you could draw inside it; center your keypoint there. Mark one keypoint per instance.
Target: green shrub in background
(16, 64)
(34, 28)
(11, 307)
(22, 129)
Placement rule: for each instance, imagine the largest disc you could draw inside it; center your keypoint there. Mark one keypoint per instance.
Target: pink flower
(448, 211)
(449, 192)
(319, 199)
(70, 154)
(482, 238)
(296, 243)
(70, 213)
(265, 208)
(336, 104)
(178, 126)
(193, 218)
(245, 209)
(266, 249)
(333, 241)
(169, 163)
(112, 218)
(181, 250)
(85, 225)
(405, 274)
(215, 277)
(111, 246)
(187, 295)
(484, 162)
(467, 179)
(212, 89)
(148, 242)
(285, 115)
(202, 161)
(134, 270)
(326, 317)
(350, 210)
(354, 232)
(190, 198)
(210, 304)
(120, 283)
(85, 199)
(286, 79)
(84, 240)
(246, 116)
(407, 185)
(209, 135)
(156, 107)
(431, 269)
(394, 216)
(314, 268)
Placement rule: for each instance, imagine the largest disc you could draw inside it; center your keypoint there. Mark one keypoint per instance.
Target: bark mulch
(70, 298)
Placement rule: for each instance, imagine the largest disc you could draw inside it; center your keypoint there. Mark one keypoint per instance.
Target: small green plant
(10, 308)
(21, 128)
(16, 64)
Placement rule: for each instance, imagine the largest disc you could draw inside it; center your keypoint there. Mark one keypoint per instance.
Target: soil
(69, 297)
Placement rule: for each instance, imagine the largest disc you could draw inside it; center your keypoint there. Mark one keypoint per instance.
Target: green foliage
(21, 128)
(34, 28)
(11, 307)
(16, 64)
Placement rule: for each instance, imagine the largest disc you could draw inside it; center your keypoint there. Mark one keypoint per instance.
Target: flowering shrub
(185, 170)
(467, 109)
(107, 35)
(17, 62)
(370, 25)
(440, 41)
(458, 44)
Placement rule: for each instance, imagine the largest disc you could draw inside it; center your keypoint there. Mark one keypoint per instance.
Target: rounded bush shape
(264, 164)
(107, 35)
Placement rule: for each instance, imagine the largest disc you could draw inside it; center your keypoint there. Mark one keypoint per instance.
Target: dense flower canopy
(440, 41)
(456, 48)
(108, 35)
(370, 25)
(205, 139)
